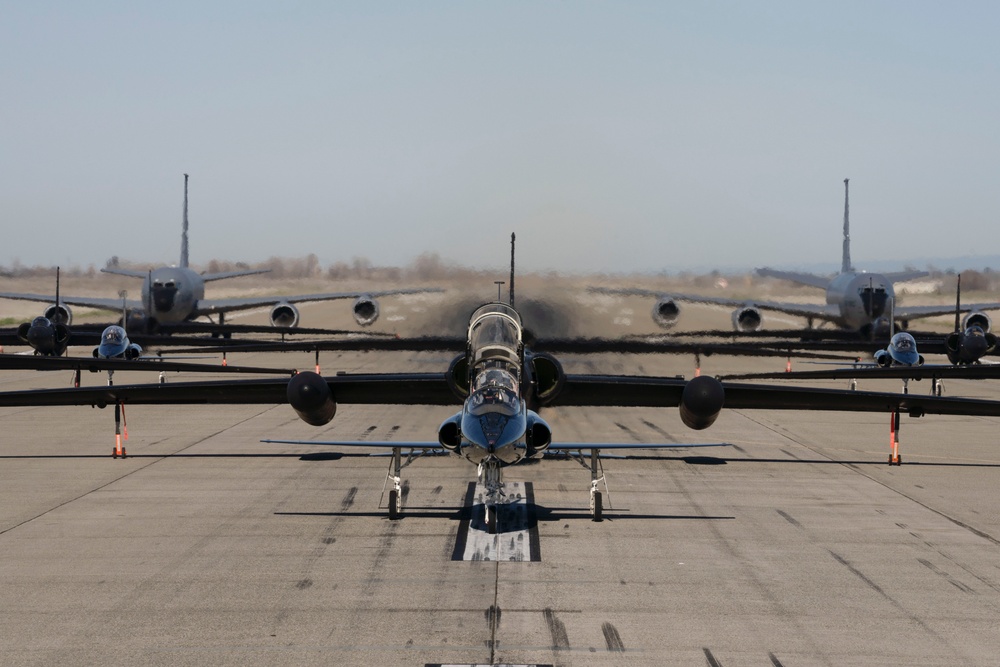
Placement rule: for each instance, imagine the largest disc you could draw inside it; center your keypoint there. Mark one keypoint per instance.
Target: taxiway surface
(797, 546)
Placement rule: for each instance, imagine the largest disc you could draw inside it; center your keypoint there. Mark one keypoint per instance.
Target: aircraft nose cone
(41, 339)
(975, 346)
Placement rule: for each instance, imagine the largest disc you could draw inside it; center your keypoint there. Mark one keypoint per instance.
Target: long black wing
(433, 389)
(631, 391)
(94, 365)
(387, 388)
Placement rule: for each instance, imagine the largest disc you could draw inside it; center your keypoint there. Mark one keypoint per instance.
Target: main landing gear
(396, 492)
(895, 458)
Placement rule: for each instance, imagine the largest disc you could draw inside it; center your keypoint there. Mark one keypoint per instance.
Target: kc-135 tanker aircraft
(175, 294)
(501, 385)
(855, 300)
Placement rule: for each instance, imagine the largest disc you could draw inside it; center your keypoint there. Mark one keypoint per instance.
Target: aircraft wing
(903, 276)
(808, 279)
(95, 365)
(633, 391)
(433, 389)
(212, 306)
(916, 312)
(816, 311)
(929, 371)
(433, 445)
(376, 388)
(577, 446)
(85, 301)
(380, 444)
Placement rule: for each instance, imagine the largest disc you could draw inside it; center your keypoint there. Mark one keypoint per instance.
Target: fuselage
(494, 424)
(170, 294)
(864, 301)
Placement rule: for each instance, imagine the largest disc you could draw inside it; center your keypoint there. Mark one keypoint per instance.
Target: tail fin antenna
(958, 302)
(512, 269)
(184, 231)
(845, 266)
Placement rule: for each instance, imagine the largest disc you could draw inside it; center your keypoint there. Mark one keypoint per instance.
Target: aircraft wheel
(598, 507)
(491, 519)
(393, 504)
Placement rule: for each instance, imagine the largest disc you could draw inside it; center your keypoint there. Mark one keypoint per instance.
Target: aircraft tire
(393, 504)
(491, 519)
(598, 507)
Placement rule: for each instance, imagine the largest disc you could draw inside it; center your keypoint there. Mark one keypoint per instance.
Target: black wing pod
(702, 402)
(310, 396)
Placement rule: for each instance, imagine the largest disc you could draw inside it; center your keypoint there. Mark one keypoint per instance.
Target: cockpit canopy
(495, 333)
(494, 398)
(113, 335)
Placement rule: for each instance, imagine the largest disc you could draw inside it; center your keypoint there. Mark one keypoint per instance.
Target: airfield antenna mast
(846, 266)
(512, 269)
(184, 231)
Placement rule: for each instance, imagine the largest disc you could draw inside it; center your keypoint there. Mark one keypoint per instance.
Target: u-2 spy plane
(501, 385)
(176, 294)
(856, 301)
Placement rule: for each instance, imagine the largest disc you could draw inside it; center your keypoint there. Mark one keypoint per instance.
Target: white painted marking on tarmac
(512, 542)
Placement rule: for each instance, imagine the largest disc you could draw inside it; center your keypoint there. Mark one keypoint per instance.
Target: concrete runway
(797, 546)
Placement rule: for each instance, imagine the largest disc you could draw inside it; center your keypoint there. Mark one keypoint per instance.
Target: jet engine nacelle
(450, 433)
(747, 318)
(538, 436)
(666, 312)
(59, 313)
(458, 376)
(284, 315)
(365, 310)
(548, 376)
(702, 402)
(977, 319)
(311, 398)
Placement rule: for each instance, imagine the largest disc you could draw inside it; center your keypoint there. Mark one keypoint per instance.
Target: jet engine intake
(747, 318)
(59, 313)
(702, 402)
(538, 436)
(666, 312)
(365, 310)
(458, 376)
(548, 376)
(450, 433)
(975, 319)
(284, 315)
(311, 398)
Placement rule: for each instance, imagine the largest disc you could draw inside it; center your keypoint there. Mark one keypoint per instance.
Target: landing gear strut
(894, 457)
(596, 477)
(396, 492)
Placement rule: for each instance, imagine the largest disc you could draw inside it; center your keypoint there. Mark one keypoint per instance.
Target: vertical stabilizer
(184, 231)
(845, 266)
(958, 304)
(512, 270)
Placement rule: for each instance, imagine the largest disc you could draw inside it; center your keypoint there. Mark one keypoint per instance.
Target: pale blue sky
(609, 136)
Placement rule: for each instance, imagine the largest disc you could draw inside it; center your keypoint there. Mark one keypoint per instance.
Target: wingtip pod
(311, 398)
(702, 402)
